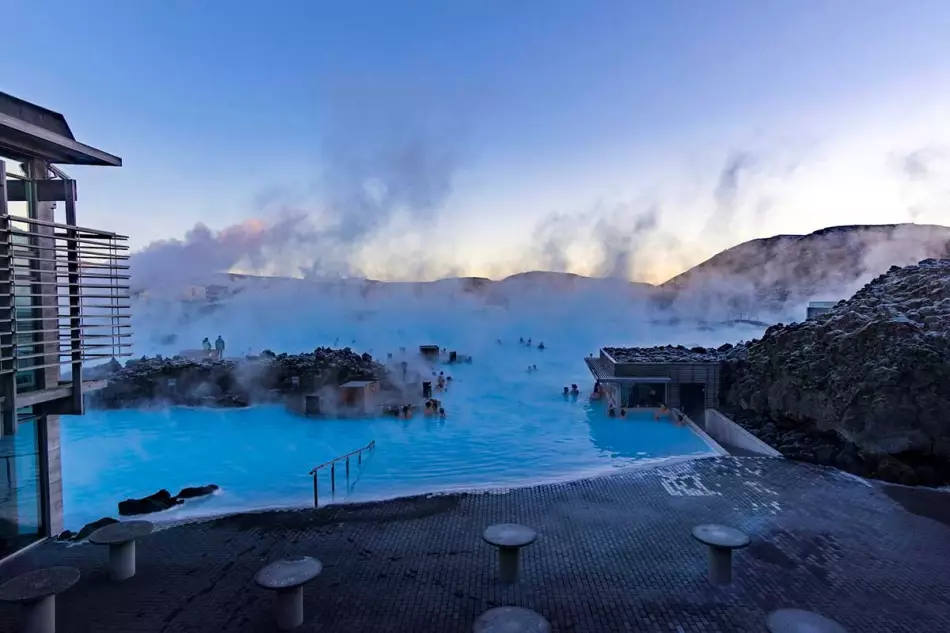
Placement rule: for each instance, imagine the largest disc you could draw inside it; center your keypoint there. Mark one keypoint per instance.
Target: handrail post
(347, 468)
(333, 477)
(316, 496)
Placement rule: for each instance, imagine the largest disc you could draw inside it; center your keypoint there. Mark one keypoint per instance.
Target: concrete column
(55, 477)
(49, 343)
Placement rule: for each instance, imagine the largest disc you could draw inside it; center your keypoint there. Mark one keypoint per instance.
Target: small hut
(358, 396)
(429, 352)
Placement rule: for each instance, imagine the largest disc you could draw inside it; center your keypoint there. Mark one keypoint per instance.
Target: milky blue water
(505, 426)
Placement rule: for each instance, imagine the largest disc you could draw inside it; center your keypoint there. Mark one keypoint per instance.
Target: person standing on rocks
(219, 346)
(206, 345)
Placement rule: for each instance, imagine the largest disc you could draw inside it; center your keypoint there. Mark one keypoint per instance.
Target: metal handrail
(332, 464)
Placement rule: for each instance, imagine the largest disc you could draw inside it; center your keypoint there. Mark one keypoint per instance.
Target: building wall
(678, 373)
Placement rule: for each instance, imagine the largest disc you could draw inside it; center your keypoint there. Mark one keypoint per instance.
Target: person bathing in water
(664, 412)
(541, 345)
(566, 393)
(575, 391)
(596, 394)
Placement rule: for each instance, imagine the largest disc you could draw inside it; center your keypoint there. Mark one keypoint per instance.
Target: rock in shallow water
(227, 383)
(163, 500)
(197, 491)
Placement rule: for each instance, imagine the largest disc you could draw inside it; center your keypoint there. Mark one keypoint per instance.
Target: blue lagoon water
(505, 426)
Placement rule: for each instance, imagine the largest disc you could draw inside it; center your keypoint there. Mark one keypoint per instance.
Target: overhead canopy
(30, 131)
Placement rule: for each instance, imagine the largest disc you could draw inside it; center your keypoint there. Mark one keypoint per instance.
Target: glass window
(22, 483)
(16, 171)
(643, 394)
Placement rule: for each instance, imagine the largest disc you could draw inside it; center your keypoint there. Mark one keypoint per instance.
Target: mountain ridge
(758, 275)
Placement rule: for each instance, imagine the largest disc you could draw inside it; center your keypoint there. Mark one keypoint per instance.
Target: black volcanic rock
(161, 500)
(874, 372)
(197, 491)
(230, 383)
(864, 388)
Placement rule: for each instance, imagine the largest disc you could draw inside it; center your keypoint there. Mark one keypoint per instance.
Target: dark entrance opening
(693, 401)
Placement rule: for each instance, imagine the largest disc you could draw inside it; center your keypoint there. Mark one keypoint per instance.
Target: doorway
(693, 401)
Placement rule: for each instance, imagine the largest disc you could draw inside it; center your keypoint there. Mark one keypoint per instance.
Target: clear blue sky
(589, 109)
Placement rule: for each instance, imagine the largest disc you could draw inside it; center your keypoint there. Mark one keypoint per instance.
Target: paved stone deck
(613, 554)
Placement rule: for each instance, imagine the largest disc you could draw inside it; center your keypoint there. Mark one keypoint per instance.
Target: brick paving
(613, 554)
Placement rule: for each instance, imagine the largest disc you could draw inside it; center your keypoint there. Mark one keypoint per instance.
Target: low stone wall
(725, 431)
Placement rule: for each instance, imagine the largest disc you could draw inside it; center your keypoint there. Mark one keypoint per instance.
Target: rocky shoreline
(157, 502)
(864, 388)
(826, 448)
(179, 381)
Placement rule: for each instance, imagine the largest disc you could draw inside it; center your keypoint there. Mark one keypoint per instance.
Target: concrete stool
(120, 537)
(721, 540)
(509, 538)
(36, 592)
(798, 621)
(287, 578)
(511, 620)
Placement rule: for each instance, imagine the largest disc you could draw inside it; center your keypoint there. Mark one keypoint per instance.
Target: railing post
(347, 468)
(76, 342)
(333, 477)
(316, 496)
(359, 458)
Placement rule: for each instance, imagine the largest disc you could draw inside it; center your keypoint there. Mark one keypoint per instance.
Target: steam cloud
(377, 168)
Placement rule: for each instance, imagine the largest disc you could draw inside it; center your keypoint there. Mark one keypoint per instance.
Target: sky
(415, 140)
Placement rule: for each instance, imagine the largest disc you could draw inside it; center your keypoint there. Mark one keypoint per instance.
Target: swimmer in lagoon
(575, 391)
(566, 393)
(623, 413)
(611, 413)
(663, 413)
(442, 413)
(541, 345)
(521, 340)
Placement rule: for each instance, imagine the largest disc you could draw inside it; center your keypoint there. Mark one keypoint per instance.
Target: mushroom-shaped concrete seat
(721, 540)
(36, 592)
(287, 577)
(509, 538)
(511, 620)
(799, 621)
(121, 537)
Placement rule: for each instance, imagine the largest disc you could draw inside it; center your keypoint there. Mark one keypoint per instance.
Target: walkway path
(613, 554)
